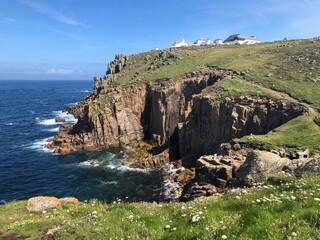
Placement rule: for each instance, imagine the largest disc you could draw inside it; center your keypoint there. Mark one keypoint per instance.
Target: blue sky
(75, 39)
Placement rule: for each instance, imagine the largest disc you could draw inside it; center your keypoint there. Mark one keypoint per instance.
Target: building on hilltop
(202, 42)
(239, 39)
(218, 41)
(180, 43)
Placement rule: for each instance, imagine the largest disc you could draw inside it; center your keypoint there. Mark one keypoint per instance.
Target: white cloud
(59, 71)
(8, 20)
(42, 8)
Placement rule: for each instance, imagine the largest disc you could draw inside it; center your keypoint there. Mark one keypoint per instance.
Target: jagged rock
(174, 114)
(41, 203)
(196, 190)
(312, 165)
(258, 168)
(59, 119)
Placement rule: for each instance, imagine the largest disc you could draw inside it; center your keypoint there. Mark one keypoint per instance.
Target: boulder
(258, 167)
(41, 203)
(311, 166)
(60, 119)
(69, 200)
(217, 170)
(197, 189)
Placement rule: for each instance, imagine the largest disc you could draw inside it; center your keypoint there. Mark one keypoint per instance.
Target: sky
(75, 39)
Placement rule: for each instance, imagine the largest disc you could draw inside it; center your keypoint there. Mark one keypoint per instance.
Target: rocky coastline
(176, 121)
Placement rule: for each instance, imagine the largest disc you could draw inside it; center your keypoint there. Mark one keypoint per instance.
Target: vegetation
(289, 66)
(286, 208)
(299, 133)
(279, 70)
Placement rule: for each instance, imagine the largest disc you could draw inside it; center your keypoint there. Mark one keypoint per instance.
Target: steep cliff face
(175, 114)
(212, 122)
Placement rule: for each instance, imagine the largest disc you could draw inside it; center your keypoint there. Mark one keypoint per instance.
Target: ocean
(27, 169)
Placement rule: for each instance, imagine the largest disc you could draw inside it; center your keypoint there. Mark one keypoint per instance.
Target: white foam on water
(52, 121)
(39, 145)
(129, 169)
(171, 189)
(48, 122)
(126, 168)
(107, 182)
(90, 163)
(9, 124)
(72, 104)
(86, 91)
(68, 117)
(53, 129)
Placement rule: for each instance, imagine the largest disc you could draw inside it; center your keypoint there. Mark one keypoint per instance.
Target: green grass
(301, 132)
(291, 67)
(240, 87)
(286, 207)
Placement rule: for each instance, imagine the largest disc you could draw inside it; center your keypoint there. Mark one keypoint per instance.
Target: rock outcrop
(41, 203)
(175, 114)
(181, 118)
(258, 168)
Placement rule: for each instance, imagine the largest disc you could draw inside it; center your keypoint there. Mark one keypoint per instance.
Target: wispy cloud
(42, 8)
(59, 71)
(8, 20)
(53, 71)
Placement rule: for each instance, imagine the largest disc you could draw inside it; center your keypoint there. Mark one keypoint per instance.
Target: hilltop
(176, 105)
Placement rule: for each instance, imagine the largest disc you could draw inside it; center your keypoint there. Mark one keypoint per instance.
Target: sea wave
(52, 121)
(53, 129)
(86, 91)
(39, 145)
(123, 168)
(107, 182)
(90, 163)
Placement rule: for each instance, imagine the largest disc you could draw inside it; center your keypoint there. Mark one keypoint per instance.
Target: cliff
(178, 114)
(178, 105)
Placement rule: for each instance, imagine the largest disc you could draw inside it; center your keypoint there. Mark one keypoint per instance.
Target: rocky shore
(177, 121)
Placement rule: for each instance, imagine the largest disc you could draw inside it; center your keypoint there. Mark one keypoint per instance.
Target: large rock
(60, 119)
(197, 189)
(216, 170)
(311, 166)
(41, 203)
(258, 168)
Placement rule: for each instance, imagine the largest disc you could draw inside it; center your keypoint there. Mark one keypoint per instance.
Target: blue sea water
(27, 169)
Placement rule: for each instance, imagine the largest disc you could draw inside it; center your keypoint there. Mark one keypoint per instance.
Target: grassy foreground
(285, 208)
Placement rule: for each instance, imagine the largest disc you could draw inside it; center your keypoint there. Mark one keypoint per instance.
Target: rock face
(313, 165)
(113, 70)
(59, 119)
(175, 114)
(258, 168)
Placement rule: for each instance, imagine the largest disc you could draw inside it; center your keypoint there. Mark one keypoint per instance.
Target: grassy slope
(287, 70)
(291, 67)
(287, 207)
(299, 133)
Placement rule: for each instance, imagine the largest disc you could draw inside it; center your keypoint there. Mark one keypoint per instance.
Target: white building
(180, 43)
(202, 42)
(238, 39)
(218, 41)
